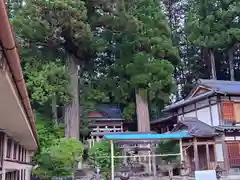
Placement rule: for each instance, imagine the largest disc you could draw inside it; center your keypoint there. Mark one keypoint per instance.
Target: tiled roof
(110, 111)
(228, 87)
(229, 128)
(163, 118)
(197, 127)
(189, 101)
(216, 86)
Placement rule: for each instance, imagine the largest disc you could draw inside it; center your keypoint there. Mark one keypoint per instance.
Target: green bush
(60, 159)
(100, 156)
(168, 147)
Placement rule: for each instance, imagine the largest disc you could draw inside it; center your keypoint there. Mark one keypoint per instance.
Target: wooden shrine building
(212, 112)
(107, 118)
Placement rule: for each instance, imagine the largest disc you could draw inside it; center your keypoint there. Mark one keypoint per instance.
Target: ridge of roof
(214, 81)
(215, 86)
(189, 101)
(221, 86)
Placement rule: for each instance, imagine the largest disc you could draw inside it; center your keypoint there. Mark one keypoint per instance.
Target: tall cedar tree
(142, 53)
(54, 28)
(213, 25)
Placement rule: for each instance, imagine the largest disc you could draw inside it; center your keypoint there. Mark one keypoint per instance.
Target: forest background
(89, 52)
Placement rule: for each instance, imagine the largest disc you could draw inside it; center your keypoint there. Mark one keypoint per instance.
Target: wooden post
(153, 161)
(149, 162)
(112, 160)
(3, 175)
(196, 158)
(181, 149)
(97, 139)
(208, 157)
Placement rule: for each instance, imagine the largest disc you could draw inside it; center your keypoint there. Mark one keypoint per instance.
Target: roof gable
(198, 90)
(206, 88)
(192, 100)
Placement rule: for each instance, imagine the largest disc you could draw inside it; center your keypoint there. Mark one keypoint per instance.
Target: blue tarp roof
(144, 136)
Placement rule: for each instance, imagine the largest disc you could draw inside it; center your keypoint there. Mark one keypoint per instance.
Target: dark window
(1, 145)
(25, 156)
(8, 176)
(9, 148)
(22, 157)
(19, 152)
(15, 151)
(14, 175)
(22, 175)
(17, 174)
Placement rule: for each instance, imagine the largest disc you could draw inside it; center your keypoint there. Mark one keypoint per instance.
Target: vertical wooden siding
(237, 111)
(234, 153)
(228, 111)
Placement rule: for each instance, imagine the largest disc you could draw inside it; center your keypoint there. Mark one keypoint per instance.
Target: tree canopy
(157, 47)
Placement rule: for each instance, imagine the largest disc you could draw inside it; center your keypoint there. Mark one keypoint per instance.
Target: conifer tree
(142, 55)
(213, 25)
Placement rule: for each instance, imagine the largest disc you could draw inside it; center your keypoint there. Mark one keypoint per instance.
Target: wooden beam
(198, 143)
(225, 154)
(181, 149)
(210, 110)
(208, 156)
(196, 158)
(106, 129)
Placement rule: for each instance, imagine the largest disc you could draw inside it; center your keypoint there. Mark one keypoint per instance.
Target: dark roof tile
(197, 127)
(189, 101)
(228, 87)
(110, 110)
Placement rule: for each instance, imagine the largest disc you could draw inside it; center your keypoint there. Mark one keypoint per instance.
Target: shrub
(100, 156)
(60, 159)
(168, 147)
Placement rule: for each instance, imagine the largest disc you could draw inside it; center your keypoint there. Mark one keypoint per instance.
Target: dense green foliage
(46, 80)
(168, 147)
(138, 52)
(51, 25)
(47, 133)
(100, 156)
(57, 156)
(47, 32)
(60, 159)
(214, 24)
(120, 46)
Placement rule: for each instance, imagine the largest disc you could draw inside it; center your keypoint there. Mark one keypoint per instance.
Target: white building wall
(219, 153)
(11, 164)
(203, 113)
(190, 114)
(215, 115)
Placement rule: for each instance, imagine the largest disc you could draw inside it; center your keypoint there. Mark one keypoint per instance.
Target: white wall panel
(215, 115)
(219, 153)
(204, 115)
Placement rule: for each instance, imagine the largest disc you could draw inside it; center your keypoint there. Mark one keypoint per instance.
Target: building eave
(189, 101)
(163, 119)
(13, 61)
